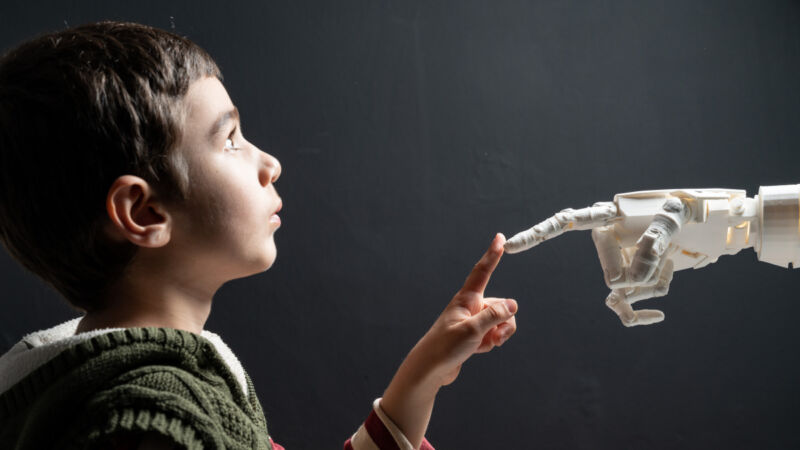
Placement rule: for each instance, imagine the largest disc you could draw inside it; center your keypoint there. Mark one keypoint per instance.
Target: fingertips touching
(499, 241)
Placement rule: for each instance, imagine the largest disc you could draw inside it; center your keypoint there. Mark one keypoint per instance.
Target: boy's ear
(135, 213)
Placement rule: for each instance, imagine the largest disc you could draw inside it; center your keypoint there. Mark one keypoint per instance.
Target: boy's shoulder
(129, 380)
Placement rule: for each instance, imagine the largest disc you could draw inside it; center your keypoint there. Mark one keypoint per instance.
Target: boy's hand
(469, 324)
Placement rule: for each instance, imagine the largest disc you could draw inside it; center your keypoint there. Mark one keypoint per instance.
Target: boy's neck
(152, 301)
(96, 320)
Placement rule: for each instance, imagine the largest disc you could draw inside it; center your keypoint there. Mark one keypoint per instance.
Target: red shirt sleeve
(378, 432)
(381, 436)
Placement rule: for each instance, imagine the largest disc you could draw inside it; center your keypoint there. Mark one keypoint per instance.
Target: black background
(411, 131)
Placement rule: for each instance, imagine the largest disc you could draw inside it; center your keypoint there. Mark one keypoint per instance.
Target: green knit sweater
(134, 380)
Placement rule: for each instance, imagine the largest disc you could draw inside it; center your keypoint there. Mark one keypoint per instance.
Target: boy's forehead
(206, 100)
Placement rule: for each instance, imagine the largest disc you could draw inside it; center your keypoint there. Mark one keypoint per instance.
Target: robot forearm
(779, 225)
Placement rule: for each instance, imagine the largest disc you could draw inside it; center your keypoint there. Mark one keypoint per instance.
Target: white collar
(39, 347)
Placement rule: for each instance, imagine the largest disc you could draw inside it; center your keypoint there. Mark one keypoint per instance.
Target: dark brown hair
(79, 108)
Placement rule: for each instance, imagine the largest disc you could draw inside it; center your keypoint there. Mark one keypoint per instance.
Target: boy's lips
(275, 218)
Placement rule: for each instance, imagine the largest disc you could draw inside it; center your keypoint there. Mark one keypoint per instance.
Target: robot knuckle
(614, 298)
(673, 205)
(640, 271)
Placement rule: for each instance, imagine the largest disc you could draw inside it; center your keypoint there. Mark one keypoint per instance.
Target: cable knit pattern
(133, 380)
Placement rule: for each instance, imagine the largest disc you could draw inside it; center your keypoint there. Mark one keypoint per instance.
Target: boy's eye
(229, 145)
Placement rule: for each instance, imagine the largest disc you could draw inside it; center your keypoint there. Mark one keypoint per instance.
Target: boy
(126, 135)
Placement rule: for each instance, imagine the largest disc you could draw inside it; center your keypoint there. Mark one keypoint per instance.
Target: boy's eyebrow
(222, 120)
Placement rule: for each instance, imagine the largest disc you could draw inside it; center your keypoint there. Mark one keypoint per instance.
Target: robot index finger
(597, 215)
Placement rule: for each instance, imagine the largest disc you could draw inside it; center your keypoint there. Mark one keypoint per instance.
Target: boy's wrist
(408, 400)
(415, 377)
(422, 367)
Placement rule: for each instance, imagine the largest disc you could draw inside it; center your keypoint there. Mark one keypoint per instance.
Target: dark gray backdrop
(411, 131)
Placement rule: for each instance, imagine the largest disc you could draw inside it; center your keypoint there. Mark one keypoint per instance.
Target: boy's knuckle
(497, 311)
(471, 328)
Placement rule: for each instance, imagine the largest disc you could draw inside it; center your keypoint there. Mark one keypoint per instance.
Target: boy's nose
(271, 169)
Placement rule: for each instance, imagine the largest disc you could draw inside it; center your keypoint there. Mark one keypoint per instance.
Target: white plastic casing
(722, 222)
(779, 220)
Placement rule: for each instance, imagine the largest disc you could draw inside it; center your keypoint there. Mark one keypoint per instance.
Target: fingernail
(511, 305)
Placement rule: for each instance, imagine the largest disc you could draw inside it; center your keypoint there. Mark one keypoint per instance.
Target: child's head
(98, 119)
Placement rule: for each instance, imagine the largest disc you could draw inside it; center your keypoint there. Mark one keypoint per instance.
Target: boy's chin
(263, 262)
(271, 254)
(268, 260)
(256, 268)
(269, 264)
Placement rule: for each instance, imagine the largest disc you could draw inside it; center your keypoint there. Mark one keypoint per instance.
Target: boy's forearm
(471, 323)
(408, 401)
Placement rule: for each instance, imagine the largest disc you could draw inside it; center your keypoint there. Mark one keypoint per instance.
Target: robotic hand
(643, 237)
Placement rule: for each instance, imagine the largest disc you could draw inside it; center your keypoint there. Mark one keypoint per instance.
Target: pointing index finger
(587, 218)
(479, 277)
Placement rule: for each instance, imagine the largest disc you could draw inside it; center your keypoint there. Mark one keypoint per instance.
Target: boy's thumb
(495, 314)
